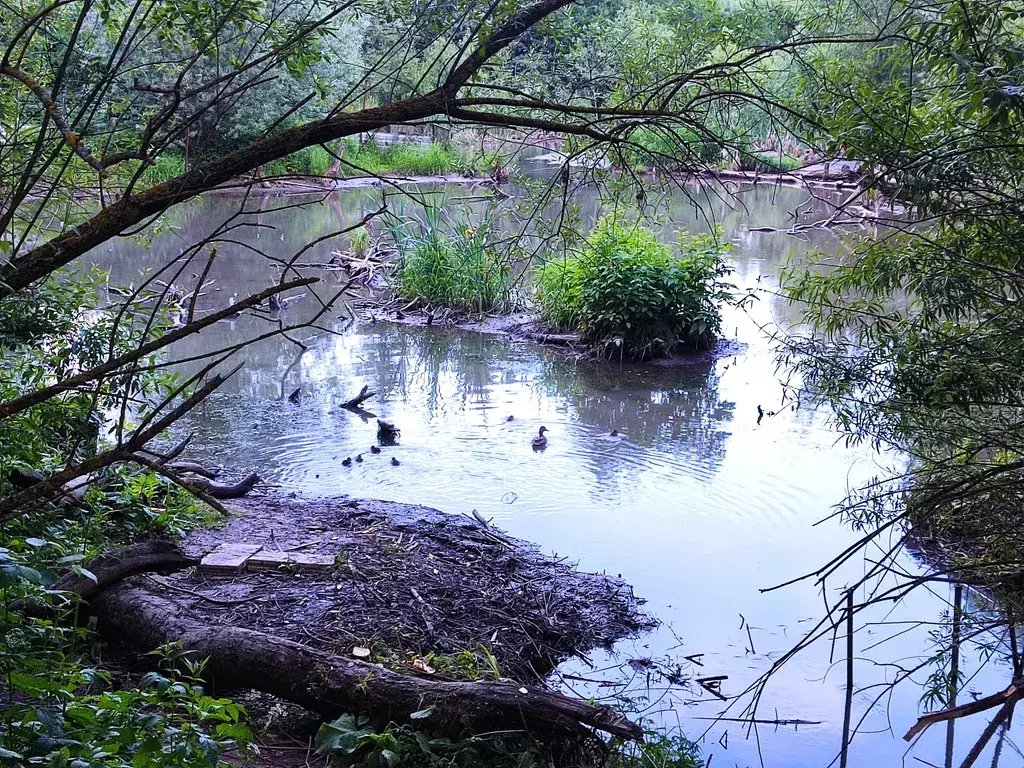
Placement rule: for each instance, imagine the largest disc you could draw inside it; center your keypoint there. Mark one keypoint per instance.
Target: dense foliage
(60, 706)
(631, 296)
(917, 343)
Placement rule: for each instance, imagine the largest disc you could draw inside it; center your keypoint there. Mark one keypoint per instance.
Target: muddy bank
(408, 583)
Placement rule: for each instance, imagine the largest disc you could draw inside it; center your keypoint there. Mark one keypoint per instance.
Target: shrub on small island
(632, 296)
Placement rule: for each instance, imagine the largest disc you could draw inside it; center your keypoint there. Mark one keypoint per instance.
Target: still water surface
(695, 504)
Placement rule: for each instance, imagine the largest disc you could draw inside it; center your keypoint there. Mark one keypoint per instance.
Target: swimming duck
(510, 418)
(295, 396)
(374, 449)
(347, 461)
(614, 433)
(540, 442)
(395, 462)
(387, 432)
(359, 458)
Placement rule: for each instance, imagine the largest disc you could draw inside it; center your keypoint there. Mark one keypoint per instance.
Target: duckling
(614, 433)
(295, 396)
(540, 442)
(510, 418)
(347, 461)
(359, 458)
(374, 449)
(395, 462)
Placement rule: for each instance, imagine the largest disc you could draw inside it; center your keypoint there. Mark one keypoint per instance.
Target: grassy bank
(357, 160)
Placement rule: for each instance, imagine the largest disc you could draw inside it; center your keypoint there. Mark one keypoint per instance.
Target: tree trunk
(329, 685)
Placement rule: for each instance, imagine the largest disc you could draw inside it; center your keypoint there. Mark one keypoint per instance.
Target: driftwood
(329, 684)
(364, 395)
(222, 490)
(1011, 695)
(170, 455)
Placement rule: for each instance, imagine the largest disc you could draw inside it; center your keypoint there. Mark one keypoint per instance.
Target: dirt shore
(425, 592)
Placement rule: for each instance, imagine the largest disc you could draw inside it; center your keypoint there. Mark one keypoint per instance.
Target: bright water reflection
(696, 505)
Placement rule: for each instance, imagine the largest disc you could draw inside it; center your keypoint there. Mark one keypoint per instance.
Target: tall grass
(768, 162)
(311, 161)
(450, 263)
(370, 158)
(359, 160)
(411, 159)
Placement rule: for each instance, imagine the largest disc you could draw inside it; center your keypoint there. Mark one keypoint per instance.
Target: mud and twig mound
(409, 583)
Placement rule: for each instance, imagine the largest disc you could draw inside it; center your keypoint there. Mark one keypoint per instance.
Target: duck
(374, 449)
(511, 418)
(387, 432)
(295, 396)
(395, 462)
(359, 458)
(540, 442)
(614, 433)
(347, 461)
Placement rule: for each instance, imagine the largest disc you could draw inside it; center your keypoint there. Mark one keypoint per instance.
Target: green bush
(167, 167)
(311, 161)
(451, 264)
(435, 159)
(662, 145)
(630, 295)
(768, 162)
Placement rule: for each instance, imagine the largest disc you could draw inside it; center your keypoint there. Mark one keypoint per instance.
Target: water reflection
(458, 390)
(696, 504)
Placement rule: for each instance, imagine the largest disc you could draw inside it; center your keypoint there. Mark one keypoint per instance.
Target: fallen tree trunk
(194, 468)
(114, 566)
(117, 565)
(330, 685)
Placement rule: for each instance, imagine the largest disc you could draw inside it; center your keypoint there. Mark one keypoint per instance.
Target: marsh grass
(402, 159)
(449, 261)
(369, 158)
(768, 162)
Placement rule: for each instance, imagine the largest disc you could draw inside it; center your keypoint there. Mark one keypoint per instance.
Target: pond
(696, 504)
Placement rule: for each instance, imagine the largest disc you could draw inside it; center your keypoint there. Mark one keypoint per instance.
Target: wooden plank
(228, 559)
(297, 561)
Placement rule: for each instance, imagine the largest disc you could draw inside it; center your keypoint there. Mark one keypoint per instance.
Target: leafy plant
(669, 145)
(351, 735)
(630, 295)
